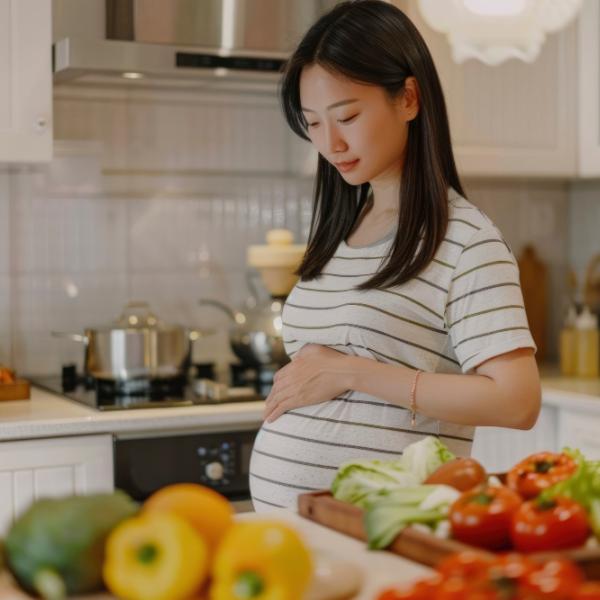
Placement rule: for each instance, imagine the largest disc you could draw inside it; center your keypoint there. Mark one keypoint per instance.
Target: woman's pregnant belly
(302, 450)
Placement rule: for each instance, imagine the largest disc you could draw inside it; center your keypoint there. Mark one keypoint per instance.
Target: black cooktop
(107, 395)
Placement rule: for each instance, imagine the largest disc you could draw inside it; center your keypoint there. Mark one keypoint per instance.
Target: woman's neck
(386, 198)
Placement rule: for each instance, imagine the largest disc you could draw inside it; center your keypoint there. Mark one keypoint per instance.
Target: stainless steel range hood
(178, 42)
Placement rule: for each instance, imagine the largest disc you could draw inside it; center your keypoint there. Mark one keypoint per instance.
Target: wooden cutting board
(421, 547)
(534, 283)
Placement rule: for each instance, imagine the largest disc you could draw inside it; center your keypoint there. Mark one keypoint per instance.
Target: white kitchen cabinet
(37, 468)
(498, 448)
(514, 119)
(588, 112)
(25, 81)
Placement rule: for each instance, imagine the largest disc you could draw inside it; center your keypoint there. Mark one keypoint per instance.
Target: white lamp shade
(493, 31)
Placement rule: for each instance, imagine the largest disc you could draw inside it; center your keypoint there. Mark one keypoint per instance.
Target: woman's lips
(344, 167)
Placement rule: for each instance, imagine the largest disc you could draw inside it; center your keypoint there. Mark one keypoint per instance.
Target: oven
(143, 463)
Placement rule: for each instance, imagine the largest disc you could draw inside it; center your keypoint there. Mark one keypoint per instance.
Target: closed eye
(348, 120)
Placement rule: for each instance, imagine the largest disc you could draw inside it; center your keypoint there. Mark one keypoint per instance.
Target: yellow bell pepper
(261, 560)
(155, 556)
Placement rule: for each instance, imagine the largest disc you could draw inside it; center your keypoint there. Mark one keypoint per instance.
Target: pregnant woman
(408, 317)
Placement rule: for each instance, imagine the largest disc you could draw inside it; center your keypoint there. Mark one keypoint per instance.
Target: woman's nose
(335, 142)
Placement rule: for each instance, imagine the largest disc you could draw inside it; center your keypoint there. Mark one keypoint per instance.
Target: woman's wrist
(358, 370)
(378, 379)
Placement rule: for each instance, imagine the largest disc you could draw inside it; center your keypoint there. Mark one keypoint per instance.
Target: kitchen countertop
(49, 415)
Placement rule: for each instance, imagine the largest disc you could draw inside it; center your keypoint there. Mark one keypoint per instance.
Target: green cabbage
(425, 456)
(356, 480)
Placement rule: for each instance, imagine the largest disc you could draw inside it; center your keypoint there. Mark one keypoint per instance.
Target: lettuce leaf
(425, 456)
(356, 480)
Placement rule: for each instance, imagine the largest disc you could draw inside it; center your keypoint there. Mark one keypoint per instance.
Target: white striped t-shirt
(463, 309)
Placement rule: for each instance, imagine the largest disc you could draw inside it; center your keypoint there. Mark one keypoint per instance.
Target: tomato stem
(543, 466)
(482, 498)
(545, 504)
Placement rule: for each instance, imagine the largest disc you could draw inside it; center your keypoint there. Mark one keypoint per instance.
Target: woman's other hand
(314, 375)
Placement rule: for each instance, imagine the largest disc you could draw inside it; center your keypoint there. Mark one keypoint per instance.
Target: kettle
(256, 333)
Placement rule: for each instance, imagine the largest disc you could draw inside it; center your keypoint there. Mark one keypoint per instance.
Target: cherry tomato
(550, 525)
(464, 564)
(482, 516)
(420, 590)
(502, 579)
(539, 471)
(460, 473)
(556, 579)
(453, 588)
(590, 590)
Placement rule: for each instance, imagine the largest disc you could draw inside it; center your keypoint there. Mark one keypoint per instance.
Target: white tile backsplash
(584, 227)
(69, 234)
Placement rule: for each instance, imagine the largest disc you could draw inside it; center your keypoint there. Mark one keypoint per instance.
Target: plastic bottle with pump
(568, 343)
(588, 344)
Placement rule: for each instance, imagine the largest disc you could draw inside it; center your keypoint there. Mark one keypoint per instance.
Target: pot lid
(137, 315)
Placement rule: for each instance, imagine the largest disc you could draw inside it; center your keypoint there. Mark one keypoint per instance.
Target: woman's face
(356, 127)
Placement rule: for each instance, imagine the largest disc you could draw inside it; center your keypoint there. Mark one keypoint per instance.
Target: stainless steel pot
(138, 345)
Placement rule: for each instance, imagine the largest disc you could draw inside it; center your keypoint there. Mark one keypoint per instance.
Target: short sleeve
(485, 314)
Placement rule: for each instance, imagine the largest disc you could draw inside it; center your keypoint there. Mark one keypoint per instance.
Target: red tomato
(420, 590)
(464, 564)
(502, 579)
(482, 516)
(552, 525)
(453, 588)
(590, 590)
(539, 471)
(460, 473)
(556, 579)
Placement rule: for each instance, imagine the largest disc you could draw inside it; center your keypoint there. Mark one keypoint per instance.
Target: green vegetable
(425, 456)
(389, 512)
(56, 547)
(356, 480)
(583, 487)
(384, 522)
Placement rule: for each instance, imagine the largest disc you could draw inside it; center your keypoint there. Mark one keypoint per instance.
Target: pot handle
(75, 337)
(220, 305)
(195, 334)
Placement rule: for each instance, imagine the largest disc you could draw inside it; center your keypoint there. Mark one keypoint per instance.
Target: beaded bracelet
(413, 399)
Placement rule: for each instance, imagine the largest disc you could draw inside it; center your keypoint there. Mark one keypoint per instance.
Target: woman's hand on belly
(316, 374)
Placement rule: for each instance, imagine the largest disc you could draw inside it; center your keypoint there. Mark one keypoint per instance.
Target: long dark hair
(374, 42)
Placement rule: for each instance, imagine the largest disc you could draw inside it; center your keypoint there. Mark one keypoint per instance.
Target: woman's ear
(410, 98)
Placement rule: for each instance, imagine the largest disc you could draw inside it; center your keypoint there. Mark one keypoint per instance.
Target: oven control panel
(218, 460)
(219, 463)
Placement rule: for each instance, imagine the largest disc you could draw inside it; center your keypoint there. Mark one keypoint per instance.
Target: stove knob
(214, 471)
